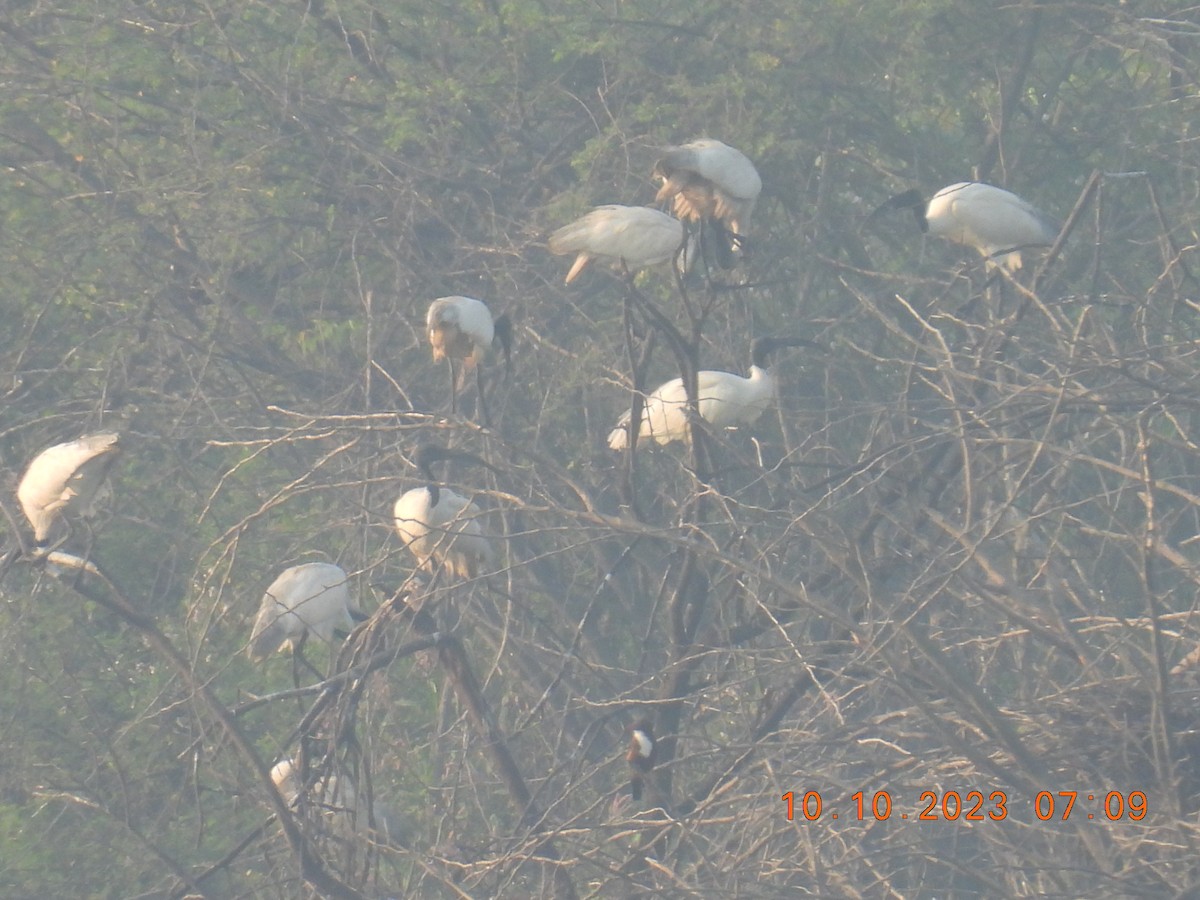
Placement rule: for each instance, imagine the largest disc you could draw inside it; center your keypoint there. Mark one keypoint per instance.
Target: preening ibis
(338, 802)
(65, 479)
(462, 330)
(725, 399)
(640, 756)
(441, 527)
(312, 598)
(633, 236)
(996, 222)
(709, 181)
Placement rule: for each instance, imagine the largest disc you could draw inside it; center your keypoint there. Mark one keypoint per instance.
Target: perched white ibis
(65, 479)
(996, 222)
(338, 802)
(724, 399)
(441, 527)
(641, 755)
(312, 598)
(462, 330)
(631, 236)
(709, 181)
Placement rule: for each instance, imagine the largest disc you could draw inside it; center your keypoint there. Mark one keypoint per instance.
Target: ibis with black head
(724, 399)
(439, 526)
(996, 222)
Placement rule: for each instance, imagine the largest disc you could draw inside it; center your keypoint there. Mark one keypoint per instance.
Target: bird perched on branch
(631, 236)
(439, 526)
(996, 222)
(311, 598)
(65, 478)
(724, 399)
(641, 755)
(707, 181)
(338, 803)
(462, 330)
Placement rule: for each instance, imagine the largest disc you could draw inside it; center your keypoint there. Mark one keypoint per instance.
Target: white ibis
(706, 180)
(641, 755)
(65, 479)
(462, 330)
(996, 222)
(724, 399)
(441, 527)
(631, 236)
(312, 598)
(338, 802)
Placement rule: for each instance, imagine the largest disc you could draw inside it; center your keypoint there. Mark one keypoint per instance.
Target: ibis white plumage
(441, 527)
(338, 802)
(996, 222)
(311, 598)
(632, 236)
(707, 180)
(65, 478)
(462, 330)
(724, 399)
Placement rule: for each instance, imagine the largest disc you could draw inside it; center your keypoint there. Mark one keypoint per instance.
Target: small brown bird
(641, 755)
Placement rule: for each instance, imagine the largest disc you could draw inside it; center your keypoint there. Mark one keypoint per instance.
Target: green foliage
(220, 227)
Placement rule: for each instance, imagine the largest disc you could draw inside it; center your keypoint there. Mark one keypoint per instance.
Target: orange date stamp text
(969, 806)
